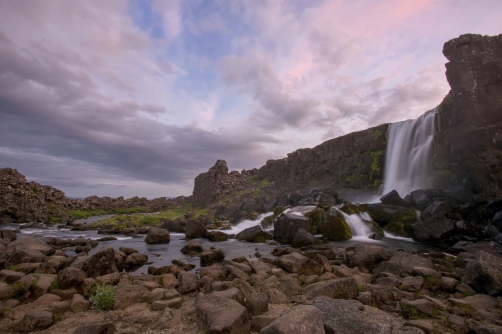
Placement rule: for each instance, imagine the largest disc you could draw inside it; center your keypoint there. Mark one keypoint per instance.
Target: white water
(246, 223)
(408, 153)
(357, 225)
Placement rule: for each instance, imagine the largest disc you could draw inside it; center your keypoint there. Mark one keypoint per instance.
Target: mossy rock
(267, 221)
(399, 229)
(349, 208)
(317, 216)
(278, 210)
(383, 213)
(336, 229)
(374, 227)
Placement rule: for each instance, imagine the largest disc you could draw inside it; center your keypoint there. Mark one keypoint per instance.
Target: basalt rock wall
(468, 146)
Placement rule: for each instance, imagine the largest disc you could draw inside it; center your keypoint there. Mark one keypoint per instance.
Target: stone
(187, 283)
(393, 198)
(221, 315)
(157, 235)
(299, 264)
(232, 293)
(424, 272)
(420, 199)
(192, 247)
(261, 321)
(169, 281)
(437, 208)
(70, 277)
(485, 329)
(164, 320)
(350, 316)
(287, 224)
(126, 294)
(339, 288)
(43, 284)
(303, 238)
(127, 250)
(277, 297)
(173, 303)
(497, 220)
(96, 328)
(194, 229)
(257, 304)
(216, 236)
(483, 273)
(449, 284)
(434, 228)
(100, 263)
(35, 320)
(413, 284)
(254, 234)
(6, 291)
(60, 307)
(494, 207)
(65, 294)
(110, 279)
(481, 301)
(300, 319)
(79, 303)
(10, 276)
(425, 325)
(88, 285)
(335, 228)
(407, 330)
(368, 257)
(408, 307)
(211, 256)
(136, 259)
(382, 213)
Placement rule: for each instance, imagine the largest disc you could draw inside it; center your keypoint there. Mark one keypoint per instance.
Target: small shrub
(104, 297)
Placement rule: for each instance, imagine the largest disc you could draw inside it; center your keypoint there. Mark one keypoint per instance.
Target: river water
(163, 254)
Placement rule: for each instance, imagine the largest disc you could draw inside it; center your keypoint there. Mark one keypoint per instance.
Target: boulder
(339, 288)
(157, 236)
(187, 283)
(126, 294)
(485, 329)
(382, 213)
(299, 264)
(70, 277)
(493, 207)
(350, 316)
(127, 250)
(437, 208)
(100, 263)
(10, 276)
(44, 283)
(257, 303)
(35, 320)
(216, 236)
(497, 220)
(136, 259)
(303, 238)
(368, 257)
(194, 229)
(221, 315)
(177, 226)
(335, 228)
(287, 224)
(434, 228)
(6, 291)
(299, 319)
(79, 303)
(211, 256)
(193, 246)
(96, 328)
(483, 273)
(393, 198)
(254, 234)
(420, 199)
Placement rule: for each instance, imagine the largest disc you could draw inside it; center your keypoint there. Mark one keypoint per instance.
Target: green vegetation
(411, 312)
(54, 285)
(82, 214)
(13, 268)
(259, 190)
(432, 282)
(377, 133)
(56, 318)
(360, 287)
(55, 219)
(104, 297)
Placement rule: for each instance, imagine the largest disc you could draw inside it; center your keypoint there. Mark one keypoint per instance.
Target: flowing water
(407, 161)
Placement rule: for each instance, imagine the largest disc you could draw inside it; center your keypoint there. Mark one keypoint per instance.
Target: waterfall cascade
(407, 159)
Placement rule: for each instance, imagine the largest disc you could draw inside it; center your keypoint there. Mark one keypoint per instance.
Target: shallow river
(163, 254)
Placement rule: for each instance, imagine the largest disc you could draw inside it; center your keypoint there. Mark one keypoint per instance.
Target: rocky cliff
(467, 150)
(468, 147)
(22, 201)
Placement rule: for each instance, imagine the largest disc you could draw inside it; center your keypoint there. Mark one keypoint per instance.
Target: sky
(125, 98)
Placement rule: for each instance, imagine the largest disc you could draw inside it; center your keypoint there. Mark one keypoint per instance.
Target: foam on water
(247, 223)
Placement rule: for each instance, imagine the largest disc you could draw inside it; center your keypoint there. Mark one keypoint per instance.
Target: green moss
(317, 216)
(82, 214)
(397, 228)
(56, 318)
(377, 133)
(260, 187)
(360, 287)
(432, 282)
(55, 219)
(12, 268)
(411, 312)
(54, 285)
(447, 100)
(336, 229)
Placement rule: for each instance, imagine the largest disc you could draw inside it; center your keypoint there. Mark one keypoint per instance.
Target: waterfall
(357, 225)
(407, 159)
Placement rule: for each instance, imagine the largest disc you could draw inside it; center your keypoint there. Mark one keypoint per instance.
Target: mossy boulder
(383, 214)
(399, 229)
(374, 227)
(335, 228)
(317, 216)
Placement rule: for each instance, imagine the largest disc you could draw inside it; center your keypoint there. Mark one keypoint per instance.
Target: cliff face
(467, 152)
(468, 147)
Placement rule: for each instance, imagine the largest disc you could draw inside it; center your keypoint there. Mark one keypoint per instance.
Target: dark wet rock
(493, 207)
(350, 316)
(339, 288)
(403, 263)
(100, 263)
(437, 208)
(216, 236)
(136, 259)
(466, 228)
(303, 238)
(393, 198)
(96, 328)
(211, 256)
(127, 250)
(485, 329)
(177, 226)
(382, 213)
(287, 224)
(483, 273)
(335, 228)
(433, 228)
(193, 247)
(299, 319)
(221, 315)
(157, 235)
(254, 234)
(9, 235)
(420, 199)
(368, 257)
(195, 229)
(497, 220)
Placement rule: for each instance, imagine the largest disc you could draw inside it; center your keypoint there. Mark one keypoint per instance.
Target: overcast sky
(139, 97)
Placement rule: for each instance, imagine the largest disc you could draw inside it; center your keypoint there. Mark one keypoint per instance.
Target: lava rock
(287, 224)
(157, 235)
(254, 234)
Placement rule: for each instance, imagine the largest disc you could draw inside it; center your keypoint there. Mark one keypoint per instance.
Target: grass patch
(82, 214)
(54, 285)
(55, 219)
(360, 287)
(13, 268)
(411, 312)
(56, 318)
(432, 282)
(259, 190)
(104, 297)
